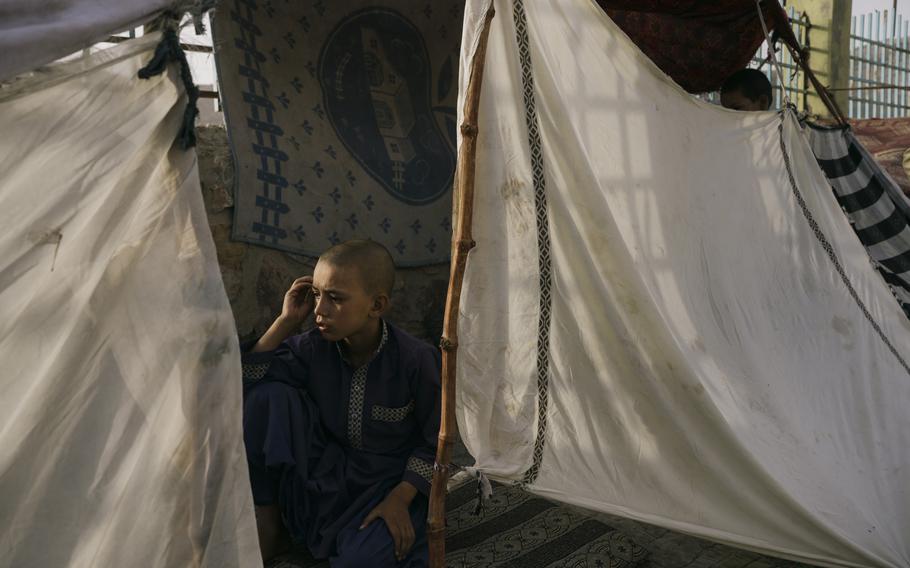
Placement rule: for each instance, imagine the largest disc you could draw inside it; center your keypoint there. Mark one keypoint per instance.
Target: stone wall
(256, 278)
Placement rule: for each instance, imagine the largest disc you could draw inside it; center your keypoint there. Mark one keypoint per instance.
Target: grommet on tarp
(169, 50)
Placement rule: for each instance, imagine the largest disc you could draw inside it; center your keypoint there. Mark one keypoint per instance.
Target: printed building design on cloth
(391, 103)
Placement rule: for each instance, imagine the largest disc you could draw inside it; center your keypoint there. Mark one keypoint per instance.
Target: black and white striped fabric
(872, 201)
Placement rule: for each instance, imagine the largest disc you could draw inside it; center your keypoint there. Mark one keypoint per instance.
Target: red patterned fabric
(888, 140)
(699, 44)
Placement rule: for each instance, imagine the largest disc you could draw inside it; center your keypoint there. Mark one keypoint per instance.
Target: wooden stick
(462, 243)
(823, 92)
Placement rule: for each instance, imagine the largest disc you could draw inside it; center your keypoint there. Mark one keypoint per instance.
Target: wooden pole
(462, 243)
(822, 91)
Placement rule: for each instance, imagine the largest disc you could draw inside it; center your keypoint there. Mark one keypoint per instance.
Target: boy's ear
(380, 304)
(764, 102)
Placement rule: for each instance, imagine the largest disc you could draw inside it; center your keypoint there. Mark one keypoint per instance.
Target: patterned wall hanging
(341, 117)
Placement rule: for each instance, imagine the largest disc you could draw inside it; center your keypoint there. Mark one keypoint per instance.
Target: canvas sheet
(341, 118)
(667, 315)
(120, 418)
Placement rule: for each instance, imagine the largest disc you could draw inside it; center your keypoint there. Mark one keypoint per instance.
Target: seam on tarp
(543, 238)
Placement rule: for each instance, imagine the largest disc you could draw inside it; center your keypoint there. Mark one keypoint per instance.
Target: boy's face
(343, 306)
(736, 100)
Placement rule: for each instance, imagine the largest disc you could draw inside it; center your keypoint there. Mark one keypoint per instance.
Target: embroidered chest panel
(358, 394)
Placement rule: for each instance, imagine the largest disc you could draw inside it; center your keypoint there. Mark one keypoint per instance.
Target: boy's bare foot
(273, 537)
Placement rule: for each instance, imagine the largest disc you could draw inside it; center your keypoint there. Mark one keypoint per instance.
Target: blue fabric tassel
(169, 50)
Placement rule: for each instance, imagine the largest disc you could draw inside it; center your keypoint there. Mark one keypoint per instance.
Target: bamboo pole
(462, 243)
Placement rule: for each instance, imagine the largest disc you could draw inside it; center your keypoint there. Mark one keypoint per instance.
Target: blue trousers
(373, 546)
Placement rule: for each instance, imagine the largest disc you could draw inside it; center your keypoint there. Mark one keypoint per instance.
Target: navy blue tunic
(327, 442)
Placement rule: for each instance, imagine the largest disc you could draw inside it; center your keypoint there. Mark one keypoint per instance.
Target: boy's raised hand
(298, 305)
(298, 301)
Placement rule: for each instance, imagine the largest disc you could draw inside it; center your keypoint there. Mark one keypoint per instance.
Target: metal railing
(794, 84)
(879, 62)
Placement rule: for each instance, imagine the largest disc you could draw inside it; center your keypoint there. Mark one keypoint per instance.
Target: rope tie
(771, 56)
(167, 51)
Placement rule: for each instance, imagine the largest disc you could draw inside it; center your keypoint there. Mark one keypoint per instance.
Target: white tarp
(682, 328)
(35, 32)
(120, 414)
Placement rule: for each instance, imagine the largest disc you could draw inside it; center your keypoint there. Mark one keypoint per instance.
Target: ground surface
(518, 530)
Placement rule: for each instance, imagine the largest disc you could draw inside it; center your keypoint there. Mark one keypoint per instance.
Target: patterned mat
(509, 534)
(518, 530)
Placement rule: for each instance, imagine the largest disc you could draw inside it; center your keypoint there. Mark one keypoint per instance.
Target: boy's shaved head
(747, 89)
(372, 260)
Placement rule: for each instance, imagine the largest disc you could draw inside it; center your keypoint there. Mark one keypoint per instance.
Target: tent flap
(120, 420)
(667, 315)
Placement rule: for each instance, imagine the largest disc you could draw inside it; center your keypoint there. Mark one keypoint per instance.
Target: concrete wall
(256, 278)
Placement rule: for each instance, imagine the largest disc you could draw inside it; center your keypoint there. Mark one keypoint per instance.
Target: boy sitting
(747, 89)
(340, 423)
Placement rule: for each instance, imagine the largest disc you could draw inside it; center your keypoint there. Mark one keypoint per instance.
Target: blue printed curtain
(341, 117)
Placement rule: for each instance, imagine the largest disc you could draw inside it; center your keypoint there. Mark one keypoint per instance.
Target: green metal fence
(879, 62)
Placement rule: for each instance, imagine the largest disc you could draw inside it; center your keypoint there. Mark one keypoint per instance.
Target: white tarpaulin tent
(667, 316)
(120, 419)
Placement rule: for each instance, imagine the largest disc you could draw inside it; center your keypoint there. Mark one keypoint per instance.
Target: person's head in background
(747, 89)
